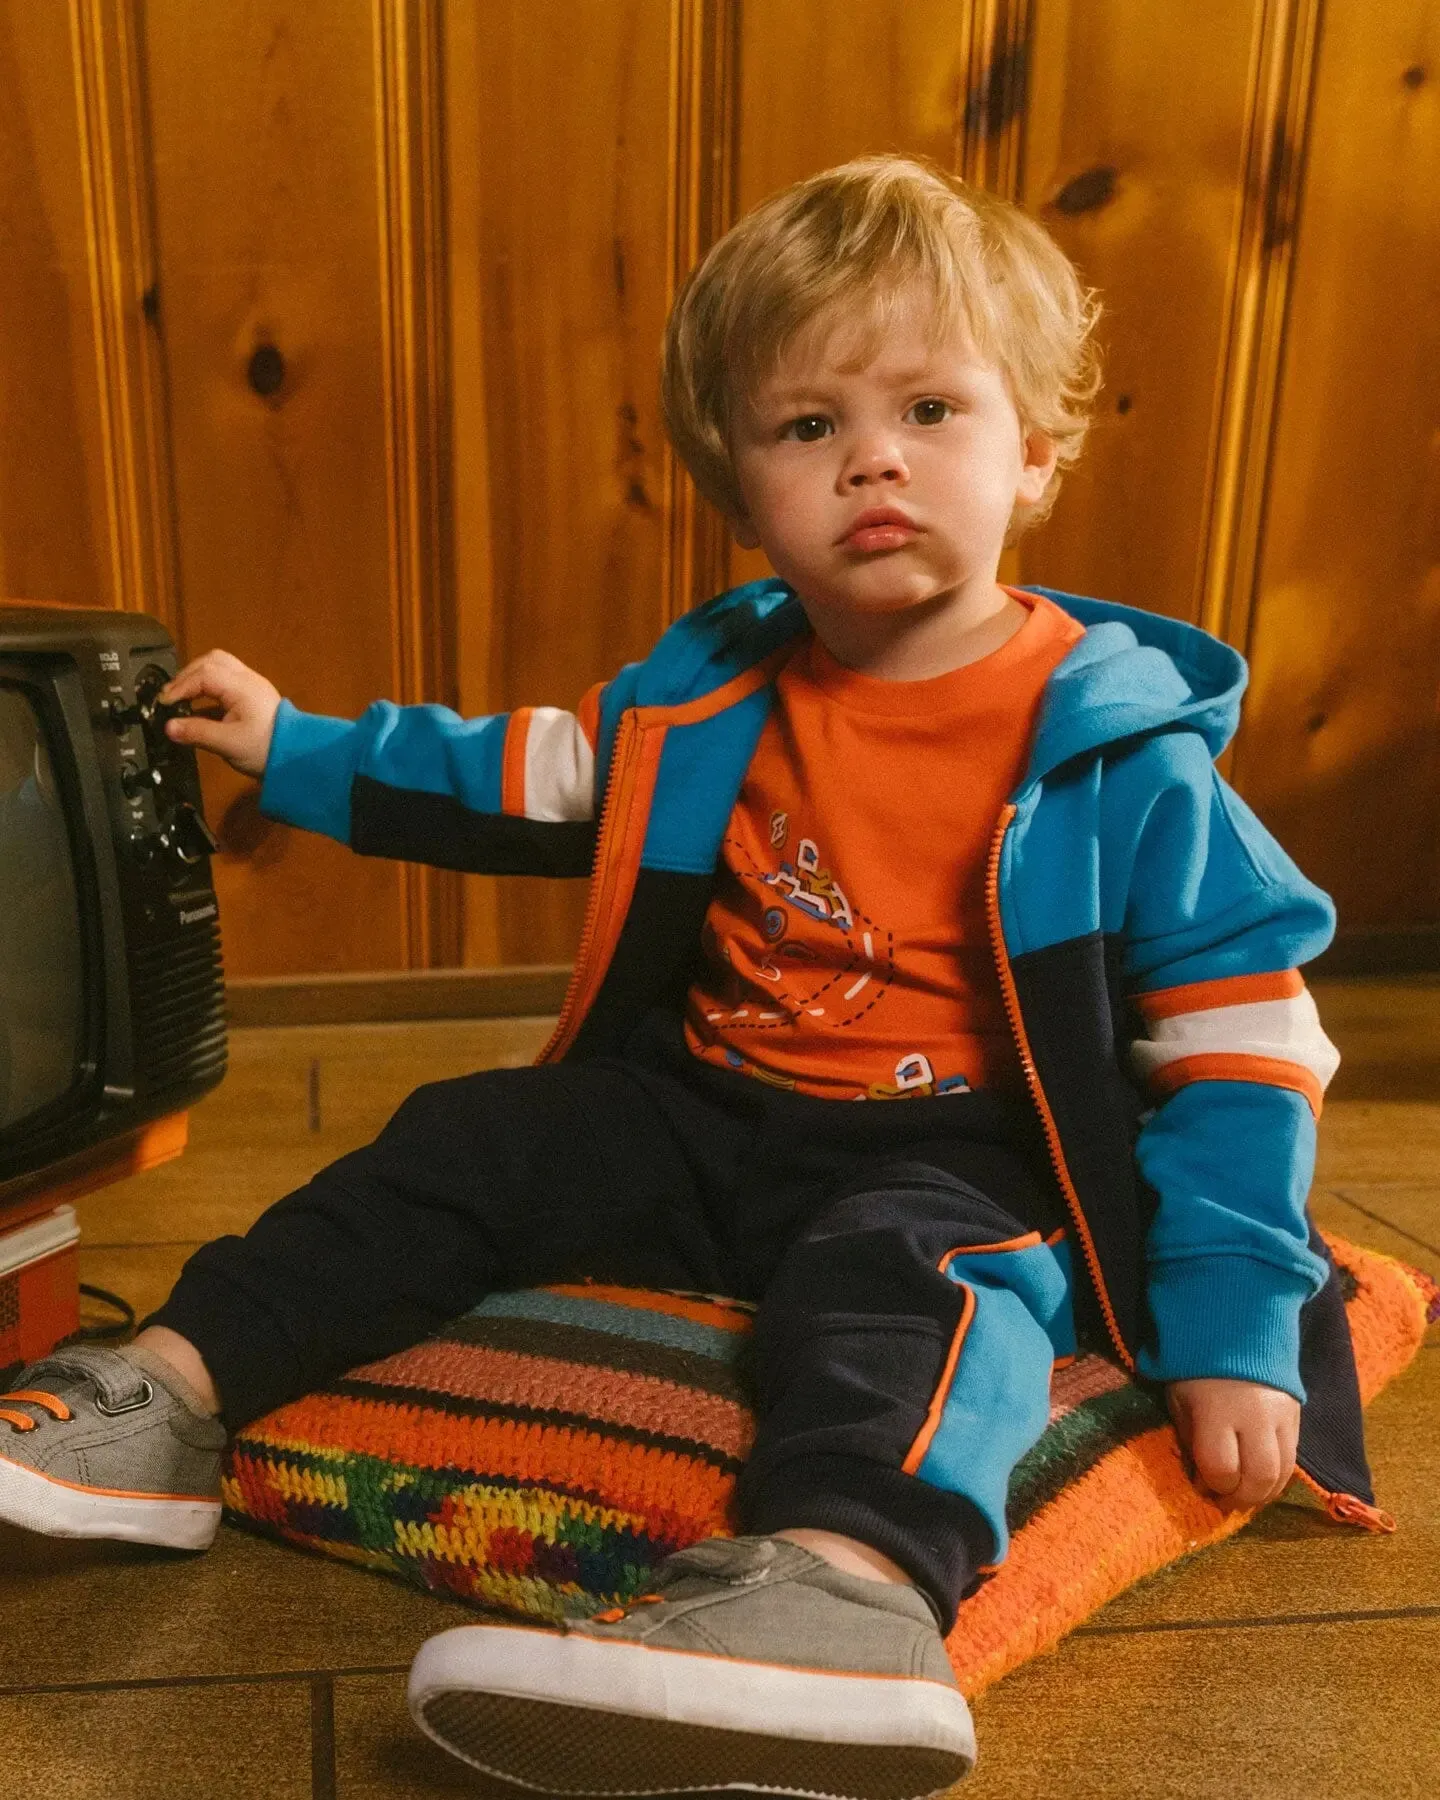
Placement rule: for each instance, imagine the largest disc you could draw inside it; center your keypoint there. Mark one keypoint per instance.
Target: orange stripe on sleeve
(512, 767)
(1219, 1065)
(588, 713)
(1232, 990)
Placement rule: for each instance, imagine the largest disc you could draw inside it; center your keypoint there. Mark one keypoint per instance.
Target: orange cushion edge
(1137, 1511)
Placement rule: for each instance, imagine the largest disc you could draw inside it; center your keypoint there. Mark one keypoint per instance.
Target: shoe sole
(573, 1715)
(55, 1508)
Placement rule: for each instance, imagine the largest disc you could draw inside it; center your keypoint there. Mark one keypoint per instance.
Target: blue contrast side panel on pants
(998, 1401)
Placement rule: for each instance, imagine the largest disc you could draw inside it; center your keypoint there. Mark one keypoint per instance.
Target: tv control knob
(166, 710)
(148, 686)
(139, 781)
(117, 716)
(187, 837)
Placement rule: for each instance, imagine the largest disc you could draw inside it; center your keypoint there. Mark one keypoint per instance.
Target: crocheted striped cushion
(543, 1453)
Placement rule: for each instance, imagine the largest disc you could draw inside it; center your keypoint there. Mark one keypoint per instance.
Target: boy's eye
(808, 429)
(930, 412)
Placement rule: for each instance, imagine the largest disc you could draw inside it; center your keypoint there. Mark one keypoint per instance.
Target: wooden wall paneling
(140, 503)
(468, 475)
(993, 144)
(271, 306)
(704, 75)
(1248, 378)
(570, 119)
(410, 179)
(84, 502)
(52, 481)
(1134, 158)
(1339, 752)
(818, 87)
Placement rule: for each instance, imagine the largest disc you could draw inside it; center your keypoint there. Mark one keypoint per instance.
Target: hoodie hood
(1133, 673)
(706, 648)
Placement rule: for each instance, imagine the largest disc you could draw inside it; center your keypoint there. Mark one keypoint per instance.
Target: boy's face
(923, 433)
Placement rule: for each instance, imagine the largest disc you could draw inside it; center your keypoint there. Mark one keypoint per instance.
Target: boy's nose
(875, 463)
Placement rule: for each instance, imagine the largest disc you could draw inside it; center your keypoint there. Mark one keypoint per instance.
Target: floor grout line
(1380, 1219)
(256, 1678)
(145, 1244)
(1337, 1184)
(1262, 1623)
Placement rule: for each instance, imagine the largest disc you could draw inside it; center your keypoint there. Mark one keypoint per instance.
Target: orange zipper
(615, 808)
(616, 858)
(1037, 1090)
(1348, 1509)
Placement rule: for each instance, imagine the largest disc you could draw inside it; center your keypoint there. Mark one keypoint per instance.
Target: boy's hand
(1241, 1437)
(248, 702)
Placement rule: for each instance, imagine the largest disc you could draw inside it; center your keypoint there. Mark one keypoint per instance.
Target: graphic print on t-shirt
(847, 949)
(817, 959)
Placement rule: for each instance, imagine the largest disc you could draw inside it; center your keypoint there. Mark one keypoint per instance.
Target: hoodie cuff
(1225, 1317)
(309, 772)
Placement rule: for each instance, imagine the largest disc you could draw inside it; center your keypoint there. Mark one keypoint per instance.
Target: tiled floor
(1297, 1658)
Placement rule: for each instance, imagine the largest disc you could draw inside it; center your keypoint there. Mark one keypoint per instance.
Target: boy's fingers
(1287, 1469)
(1290, 1442)
(205, 734)
(189, 679)
(1216, 1450)
(217, 672)
(1259, 1471)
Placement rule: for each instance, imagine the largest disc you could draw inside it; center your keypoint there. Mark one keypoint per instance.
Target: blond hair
(851, 245)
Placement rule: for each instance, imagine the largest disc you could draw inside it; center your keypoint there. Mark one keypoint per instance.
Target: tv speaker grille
(178, 1008)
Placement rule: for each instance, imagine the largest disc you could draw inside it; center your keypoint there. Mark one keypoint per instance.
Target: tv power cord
(104, 1330)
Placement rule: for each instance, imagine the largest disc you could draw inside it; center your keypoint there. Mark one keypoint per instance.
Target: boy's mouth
(880, 528)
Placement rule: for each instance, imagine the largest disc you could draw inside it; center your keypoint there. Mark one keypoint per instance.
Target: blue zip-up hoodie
(1147, 933)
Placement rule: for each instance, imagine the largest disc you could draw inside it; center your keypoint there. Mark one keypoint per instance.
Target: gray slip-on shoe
(96, 1444)
(755, 1666)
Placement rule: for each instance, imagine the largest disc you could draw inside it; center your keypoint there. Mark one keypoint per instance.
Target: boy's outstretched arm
(511, 793)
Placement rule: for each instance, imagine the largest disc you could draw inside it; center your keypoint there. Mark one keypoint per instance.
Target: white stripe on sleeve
(1284, 1030)
(559, 767)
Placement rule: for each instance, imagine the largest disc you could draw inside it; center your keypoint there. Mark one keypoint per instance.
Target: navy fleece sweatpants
(906, 1256)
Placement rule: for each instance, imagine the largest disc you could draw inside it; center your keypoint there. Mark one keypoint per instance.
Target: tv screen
(112, 994)
(42, 966)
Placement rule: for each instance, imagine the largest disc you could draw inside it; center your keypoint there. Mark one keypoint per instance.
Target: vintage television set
(112, 1006)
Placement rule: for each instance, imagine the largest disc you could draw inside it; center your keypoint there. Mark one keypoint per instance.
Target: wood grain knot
(1000, 95)
(266, 371)
(1084, 193)
(1414, 76)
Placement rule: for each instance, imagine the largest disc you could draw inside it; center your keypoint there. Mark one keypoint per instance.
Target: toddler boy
(879, 830)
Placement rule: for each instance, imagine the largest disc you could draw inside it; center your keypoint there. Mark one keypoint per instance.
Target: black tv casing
(154, 992)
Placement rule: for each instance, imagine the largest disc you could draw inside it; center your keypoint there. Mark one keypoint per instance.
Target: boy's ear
(743, 532)
(1041, 454)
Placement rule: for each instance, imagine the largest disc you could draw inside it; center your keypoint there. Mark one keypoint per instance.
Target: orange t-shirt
(847, 948)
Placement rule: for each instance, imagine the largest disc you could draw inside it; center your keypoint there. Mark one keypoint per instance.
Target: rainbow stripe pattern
(542, 1454)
